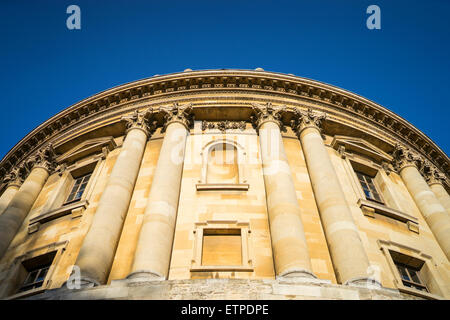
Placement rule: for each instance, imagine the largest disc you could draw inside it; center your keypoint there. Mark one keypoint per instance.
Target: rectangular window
(222, 247)
(368, 186)
(37, 269)
(410, 277)
(78, 188)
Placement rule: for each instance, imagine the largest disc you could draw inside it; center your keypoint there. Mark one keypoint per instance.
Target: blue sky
(45, 67)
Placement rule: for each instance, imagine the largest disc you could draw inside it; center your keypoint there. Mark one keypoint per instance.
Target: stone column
(290, 251)
(99, 246)
(346, 249)
(11, 220)
(154, 247)
(407, 162)
(13, 182)
(436, 180)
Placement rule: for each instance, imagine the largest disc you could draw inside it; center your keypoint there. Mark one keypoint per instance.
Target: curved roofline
(274, 76)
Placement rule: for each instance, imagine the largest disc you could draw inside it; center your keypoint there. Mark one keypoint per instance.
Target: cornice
(113, 100)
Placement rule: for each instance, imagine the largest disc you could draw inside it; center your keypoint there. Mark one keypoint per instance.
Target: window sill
(222, 268)
(369, 208)
(72, 208)
(222, 186)
(25, 294)
(419, 293)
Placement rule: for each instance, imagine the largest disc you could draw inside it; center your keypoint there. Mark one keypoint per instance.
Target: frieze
(223, 125)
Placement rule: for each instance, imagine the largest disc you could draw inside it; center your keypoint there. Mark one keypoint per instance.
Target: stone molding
(180, 84)
(176, 113)
(267, 113)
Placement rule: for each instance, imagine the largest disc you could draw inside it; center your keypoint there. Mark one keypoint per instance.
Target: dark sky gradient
(45, 67)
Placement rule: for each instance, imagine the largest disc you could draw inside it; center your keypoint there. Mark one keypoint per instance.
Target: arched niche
(223, 166)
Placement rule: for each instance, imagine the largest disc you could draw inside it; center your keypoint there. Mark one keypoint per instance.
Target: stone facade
(226, 184)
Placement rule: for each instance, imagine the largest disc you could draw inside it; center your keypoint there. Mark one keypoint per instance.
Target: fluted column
(436, 180)
(407, 163)
(99, 246)
(346, 249)
(13, 216)
(290, 251)
(13, 183)
(154, 247)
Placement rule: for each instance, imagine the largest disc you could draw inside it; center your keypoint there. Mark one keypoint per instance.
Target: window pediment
(360, 146)
(87, 148)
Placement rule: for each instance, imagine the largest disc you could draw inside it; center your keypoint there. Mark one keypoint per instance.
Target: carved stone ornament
(387, 167)
(44, 158)
(403, 157)
(265, 113)
(432, 174)
(223, 125)
(141, 120)
(181, 114)
(15, 177)
(307, 119)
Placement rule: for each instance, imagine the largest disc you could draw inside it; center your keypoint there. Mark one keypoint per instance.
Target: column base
(296, 273)
(145, 275)
(365, 282)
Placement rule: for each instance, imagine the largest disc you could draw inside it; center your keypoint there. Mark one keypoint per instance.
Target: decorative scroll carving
(387, 167)
(15, 177)
(432, 174)
(44, 158)
(141, 120)
(403, 157)
(181, 114)
(265, 113)
(223, 125)
(307, 119)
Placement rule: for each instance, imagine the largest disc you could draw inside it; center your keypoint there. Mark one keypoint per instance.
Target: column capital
(44, 158)
(267, 113)
(404, 157)
(15, 177)
(142, 120)
(431, 174)
(307, 119)
(176, 113)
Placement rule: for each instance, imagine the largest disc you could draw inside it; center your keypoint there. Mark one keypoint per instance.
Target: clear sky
(46, 67)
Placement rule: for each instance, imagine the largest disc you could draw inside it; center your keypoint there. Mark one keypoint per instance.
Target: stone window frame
(369, 207)
(387, 246)
(247, 255)
(242, 184)
(17, 268)
(56, 205)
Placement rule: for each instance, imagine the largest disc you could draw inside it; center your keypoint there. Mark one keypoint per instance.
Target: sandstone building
(225, 184)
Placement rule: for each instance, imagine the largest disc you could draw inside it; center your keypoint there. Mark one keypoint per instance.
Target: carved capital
(307, 119)
(387, 167)
(181, 114)
(431, 174)
(267, 113)
(44, 158)
(142, 120)
(404, 157)
(15, 177)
